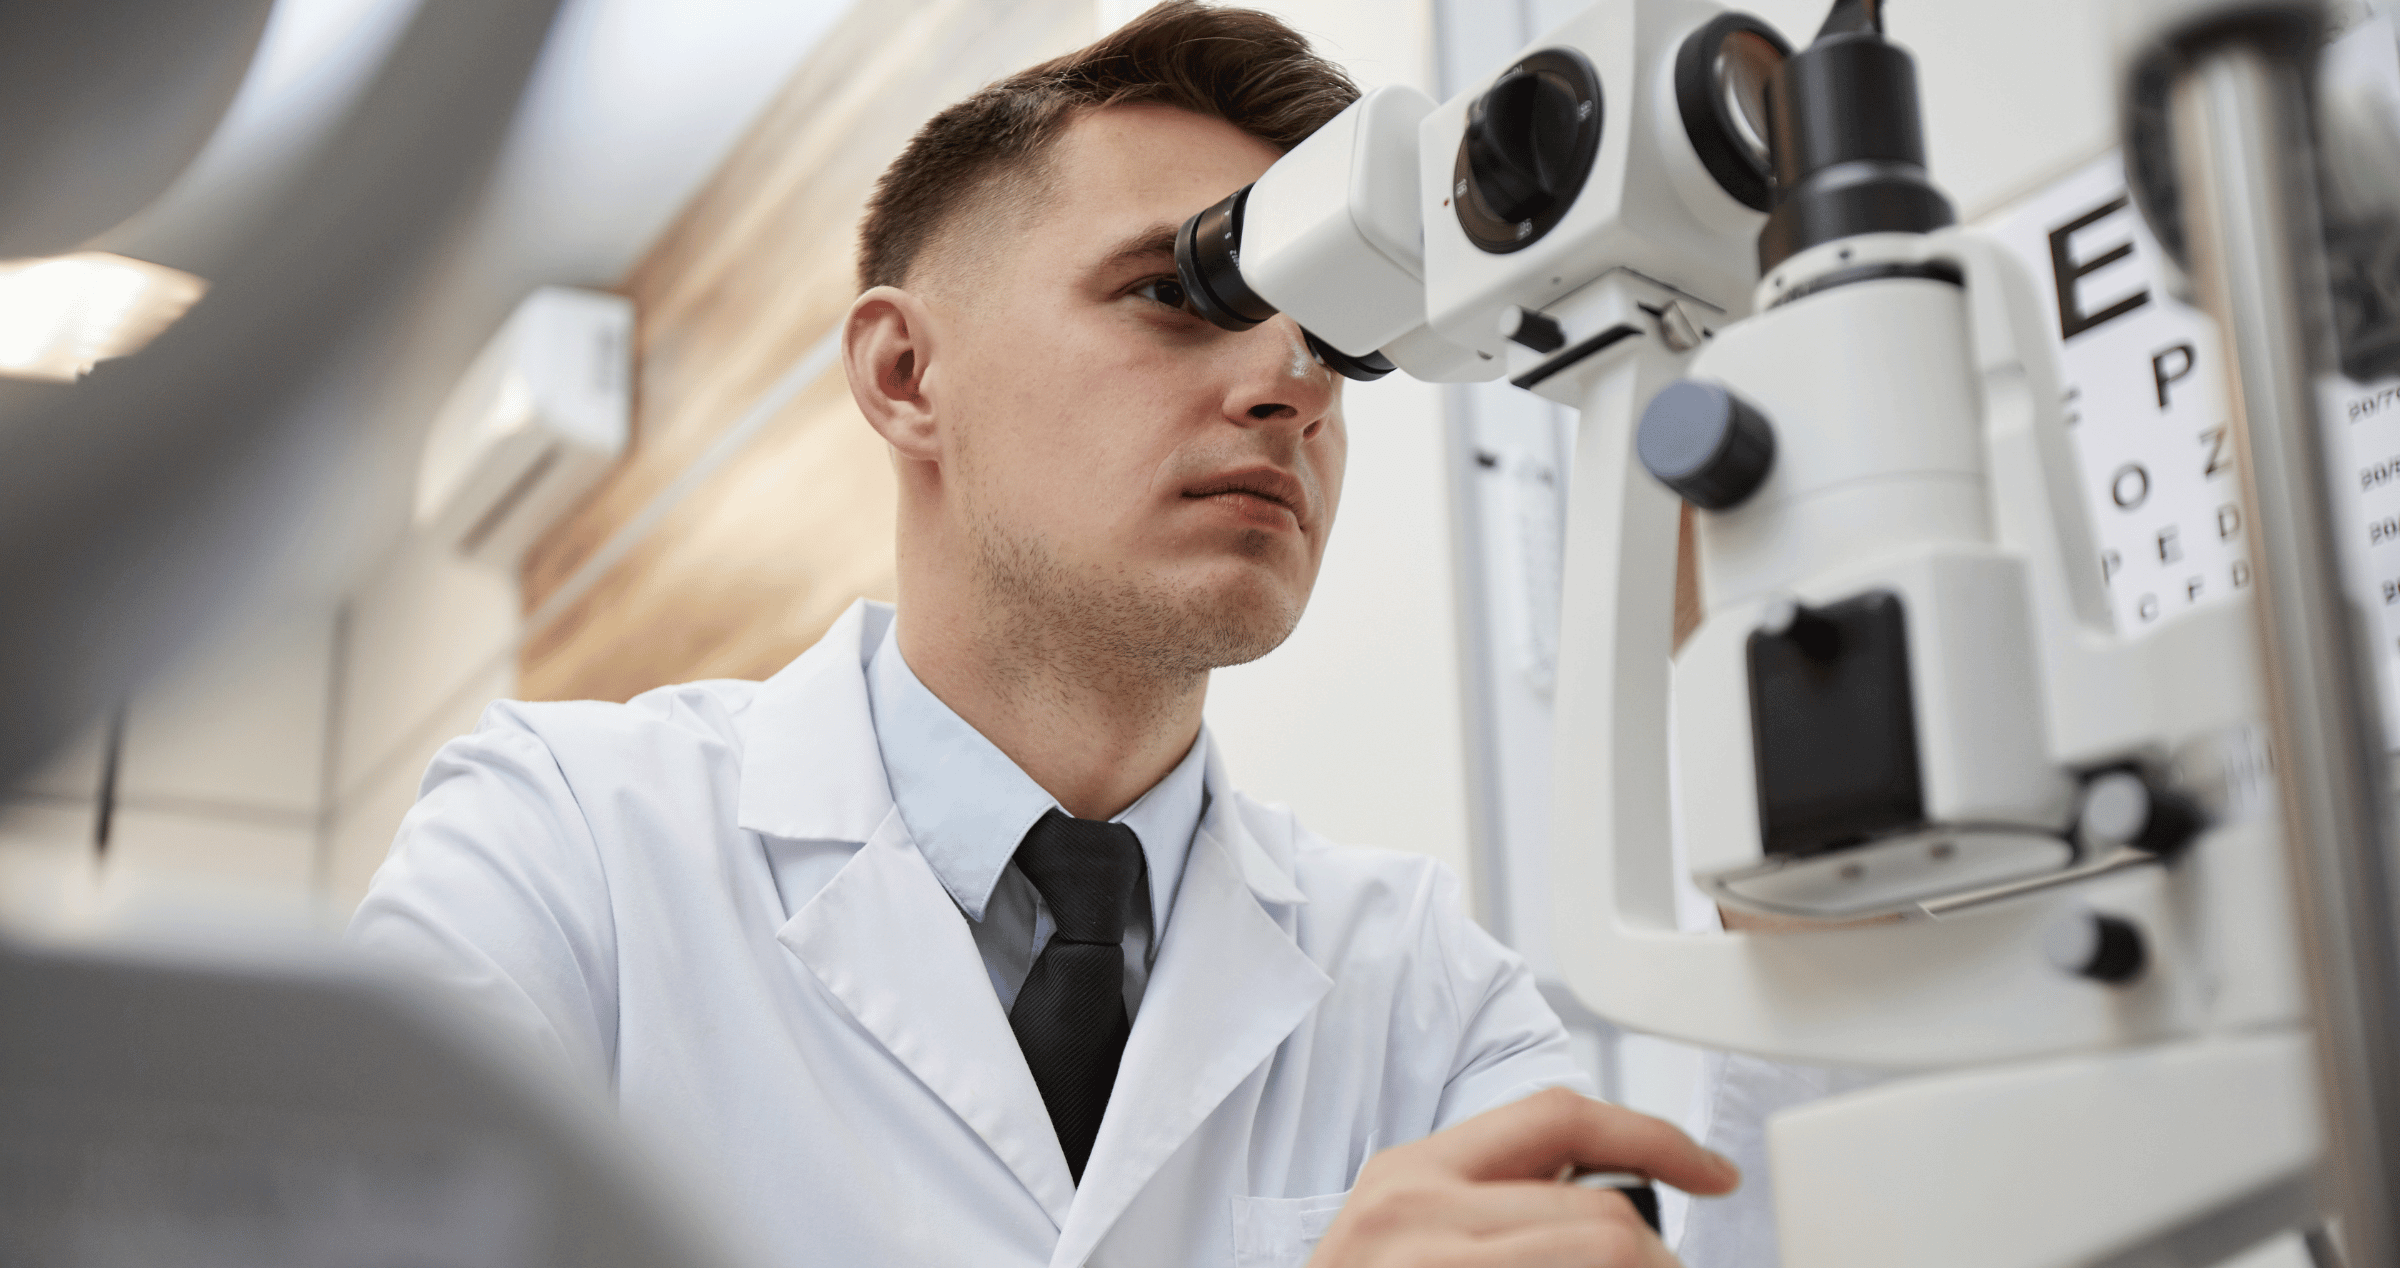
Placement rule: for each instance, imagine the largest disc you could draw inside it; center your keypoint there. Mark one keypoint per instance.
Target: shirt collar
(968, 806)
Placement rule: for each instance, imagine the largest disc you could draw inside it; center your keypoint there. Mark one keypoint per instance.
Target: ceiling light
(61, 315)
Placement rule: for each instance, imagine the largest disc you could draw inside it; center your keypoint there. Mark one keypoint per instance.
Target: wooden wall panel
(748, 566)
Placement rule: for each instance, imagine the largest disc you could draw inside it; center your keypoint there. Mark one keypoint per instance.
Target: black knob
(1705, 443)
(1534, 330)
(2102, 948)
(1818, 636)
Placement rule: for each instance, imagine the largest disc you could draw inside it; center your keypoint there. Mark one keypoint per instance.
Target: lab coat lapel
(811, 770)
(887, 941)
(1228, 986)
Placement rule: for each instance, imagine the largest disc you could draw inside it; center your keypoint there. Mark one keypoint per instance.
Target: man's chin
(1240, 618)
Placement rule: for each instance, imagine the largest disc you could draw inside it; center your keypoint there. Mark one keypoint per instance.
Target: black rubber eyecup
(1208, 261)
(1364, 369)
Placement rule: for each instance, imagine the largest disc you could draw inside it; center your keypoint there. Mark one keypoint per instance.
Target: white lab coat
(706, 897)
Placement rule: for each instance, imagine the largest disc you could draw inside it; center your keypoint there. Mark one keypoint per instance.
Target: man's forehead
(1121, 170)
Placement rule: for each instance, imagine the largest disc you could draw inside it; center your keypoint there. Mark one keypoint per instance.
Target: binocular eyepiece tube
(1208, 258)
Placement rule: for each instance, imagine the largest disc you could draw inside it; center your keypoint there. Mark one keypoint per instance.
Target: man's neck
(1093, 734)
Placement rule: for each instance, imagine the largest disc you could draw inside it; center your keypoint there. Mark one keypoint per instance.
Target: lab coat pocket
(1280, 1232)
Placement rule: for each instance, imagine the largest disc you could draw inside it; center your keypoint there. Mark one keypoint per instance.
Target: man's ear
(887, 346)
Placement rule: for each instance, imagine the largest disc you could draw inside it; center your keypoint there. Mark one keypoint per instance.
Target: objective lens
(1721, 77)
(1743, 63)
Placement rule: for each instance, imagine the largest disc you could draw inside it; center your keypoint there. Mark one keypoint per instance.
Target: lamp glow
(61, 315)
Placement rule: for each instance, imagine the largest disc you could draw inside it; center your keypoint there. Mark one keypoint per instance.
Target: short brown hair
(1239, 65)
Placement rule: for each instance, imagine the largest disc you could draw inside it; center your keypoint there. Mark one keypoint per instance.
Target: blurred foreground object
(2231, 150)
(156, 492)
(61, 316)
(2358, 112)
(187, 1082)
(107, 102)
(178, 1086)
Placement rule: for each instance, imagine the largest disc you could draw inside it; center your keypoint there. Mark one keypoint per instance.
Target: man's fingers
(1611, 1245)
(1507, 1205)
(1535, 1137)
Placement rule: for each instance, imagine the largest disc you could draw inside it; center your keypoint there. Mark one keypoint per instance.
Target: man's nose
(1277, 380)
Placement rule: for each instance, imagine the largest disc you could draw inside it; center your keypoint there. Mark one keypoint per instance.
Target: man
(950, 941)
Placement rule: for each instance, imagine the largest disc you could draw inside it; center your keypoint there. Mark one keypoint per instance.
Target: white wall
(220, 770)
(279, 757)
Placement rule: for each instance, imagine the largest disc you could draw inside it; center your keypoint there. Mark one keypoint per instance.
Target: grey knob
(1705, 443)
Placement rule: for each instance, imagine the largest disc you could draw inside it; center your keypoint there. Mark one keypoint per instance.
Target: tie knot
(1086, 870)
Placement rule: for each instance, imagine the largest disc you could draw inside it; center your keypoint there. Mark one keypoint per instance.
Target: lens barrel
(1849, 147)
(1208, 261)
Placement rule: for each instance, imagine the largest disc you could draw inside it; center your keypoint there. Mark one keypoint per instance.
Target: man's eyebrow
(1157, 240)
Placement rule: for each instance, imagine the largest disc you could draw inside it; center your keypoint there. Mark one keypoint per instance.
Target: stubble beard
(1049, 618)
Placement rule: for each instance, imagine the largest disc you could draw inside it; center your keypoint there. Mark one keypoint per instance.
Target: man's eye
(1165, 290)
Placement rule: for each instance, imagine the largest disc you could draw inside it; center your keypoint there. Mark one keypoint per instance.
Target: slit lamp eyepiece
(1208, 261)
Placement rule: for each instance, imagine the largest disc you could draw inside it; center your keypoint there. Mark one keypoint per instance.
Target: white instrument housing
(1648, 205)
(1920, 462)
(1332, 231)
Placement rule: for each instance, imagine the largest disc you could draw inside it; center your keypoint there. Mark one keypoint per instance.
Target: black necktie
(1070, 1014)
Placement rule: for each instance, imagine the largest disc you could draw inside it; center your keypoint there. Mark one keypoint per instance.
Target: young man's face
(1118, 462)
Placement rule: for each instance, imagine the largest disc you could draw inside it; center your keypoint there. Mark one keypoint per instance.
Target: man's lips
(1265, 484)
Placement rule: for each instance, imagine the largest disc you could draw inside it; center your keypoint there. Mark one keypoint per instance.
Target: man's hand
(1484, 1194)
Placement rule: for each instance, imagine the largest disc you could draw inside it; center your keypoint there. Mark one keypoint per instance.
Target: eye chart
(2147, 412)
(2145, 400)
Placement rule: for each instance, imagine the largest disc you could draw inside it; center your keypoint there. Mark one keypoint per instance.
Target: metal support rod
(2241, 139)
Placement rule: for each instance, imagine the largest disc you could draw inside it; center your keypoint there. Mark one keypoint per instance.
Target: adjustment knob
(1531, 329)
(2122, 808)
(1521, 144)
(2103, 948)
(1818, 636)
(1705, 443)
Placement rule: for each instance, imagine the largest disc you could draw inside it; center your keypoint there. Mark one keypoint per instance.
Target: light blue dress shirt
(968, 807)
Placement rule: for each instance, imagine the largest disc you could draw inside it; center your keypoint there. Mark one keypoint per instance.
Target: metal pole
(2242, 144)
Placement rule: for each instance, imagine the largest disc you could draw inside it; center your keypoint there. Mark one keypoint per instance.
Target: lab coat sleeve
(494, 887)
(1511, 1043)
